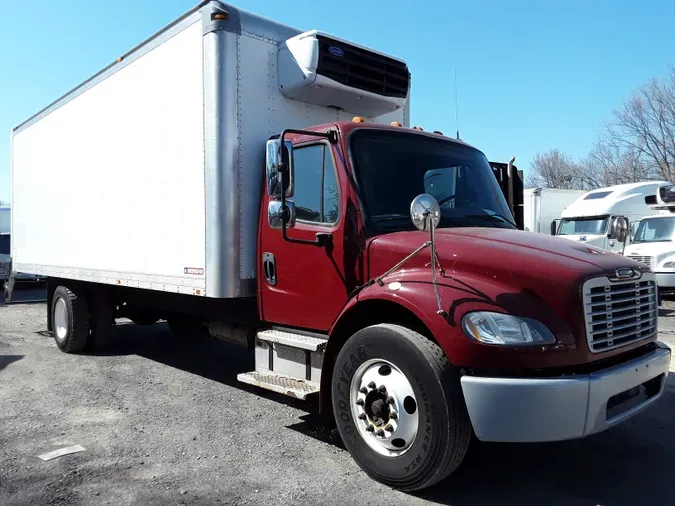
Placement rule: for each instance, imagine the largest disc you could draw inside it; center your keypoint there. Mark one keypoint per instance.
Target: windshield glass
(392, 168)
(655, 230)
(592, 225)
(4, 244)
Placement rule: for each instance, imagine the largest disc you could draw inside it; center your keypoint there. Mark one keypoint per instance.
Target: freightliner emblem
(624, 272)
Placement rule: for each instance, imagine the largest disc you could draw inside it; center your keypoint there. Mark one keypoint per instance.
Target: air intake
(319, 69)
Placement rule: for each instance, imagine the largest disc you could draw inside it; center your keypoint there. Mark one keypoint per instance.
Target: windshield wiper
(492, 218)
(391, 217)
(398, 217)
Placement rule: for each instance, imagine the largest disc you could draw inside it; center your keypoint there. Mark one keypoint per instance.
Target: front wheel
(399, 407)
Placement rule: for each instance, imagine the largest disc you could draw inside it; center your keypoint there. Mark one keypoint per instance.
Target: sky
(531, 75)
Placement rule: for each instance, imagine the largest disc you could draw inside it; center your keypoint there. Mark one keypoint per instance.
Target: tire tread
(79, 321)
(450, 460)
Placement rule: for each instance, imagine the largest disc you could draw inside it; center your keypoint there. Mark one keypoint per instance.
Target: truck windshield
(392, 168)
(4, 244)
(592, 225)
(655, 230)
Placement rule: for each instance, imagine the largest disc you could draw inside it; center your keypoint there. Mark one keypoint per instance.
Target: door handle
(270, 268)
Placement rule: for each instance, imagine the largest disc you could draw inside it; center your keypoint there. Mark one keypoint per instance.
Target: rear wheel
(70, 320)
(399, 407)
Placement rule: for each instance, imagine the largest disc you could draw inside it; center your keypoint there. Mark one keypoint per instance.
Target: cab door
(302, 285)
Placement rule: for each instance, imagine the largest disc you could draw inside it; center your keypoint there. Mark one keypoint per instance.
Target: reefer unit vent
(318, 69)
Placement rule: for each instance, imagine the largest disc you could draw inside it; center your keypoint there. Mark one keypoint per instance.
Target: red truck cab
(515, 336)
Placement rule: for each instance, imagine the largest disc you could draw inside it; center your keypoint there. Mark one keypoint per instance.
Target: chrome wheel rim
(384, 407)
(60, 319)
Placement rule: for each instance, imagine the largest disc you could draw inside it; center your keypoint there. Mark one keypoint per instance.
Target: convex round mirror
(620, 228)
(424, 210)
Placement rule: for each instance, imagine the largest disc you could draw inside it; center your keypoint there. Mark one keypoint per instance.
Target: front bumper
(665, 280)
(566, 407)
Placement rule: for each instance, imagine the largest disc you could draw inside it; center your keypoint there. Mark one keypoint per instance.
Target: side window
(317, 194)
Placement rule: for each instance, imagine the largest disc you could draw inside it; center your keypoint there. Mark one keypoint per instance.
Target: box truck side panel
(111, 181)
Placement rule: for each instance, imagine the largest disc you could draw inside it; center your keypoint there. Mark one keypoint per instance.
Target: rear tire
(428, 428)
(70, 320)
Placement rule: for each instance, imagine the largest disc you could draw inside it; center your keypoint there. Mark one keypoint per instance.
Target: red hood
(502, 261)
(523, 273)
(510, 256)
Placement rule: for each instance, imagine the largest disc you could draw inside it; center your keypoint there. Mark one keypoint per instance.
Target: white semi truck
(653, 243)
(589, 219)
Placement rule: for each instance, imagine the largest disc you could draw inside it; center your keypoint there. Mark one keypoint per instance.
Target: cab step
(293, 340)
(287, 363)
(280, 383)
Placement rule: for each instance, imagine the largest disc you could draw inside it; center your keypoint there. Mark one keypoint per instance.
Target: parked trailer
(241, 177)
(542, 207)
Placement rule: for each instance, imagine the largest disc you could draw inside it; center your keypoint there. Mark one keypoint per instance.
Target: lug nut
(393, 416)
(363, 390)
(383, 389)
(362, 416)
(380, 433)
(370, 428)
(390, 400)
(389, 428)
(359, 402)
(372, 385)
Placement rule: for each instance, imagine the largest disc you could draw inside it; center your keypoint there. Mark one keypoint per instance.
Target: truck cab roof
(628, 199)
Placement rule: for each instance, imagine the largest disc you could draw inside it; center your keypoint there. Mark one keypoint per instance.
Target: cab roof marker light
(438, 132)
(395, 124)
(358, 119)
(418, 128)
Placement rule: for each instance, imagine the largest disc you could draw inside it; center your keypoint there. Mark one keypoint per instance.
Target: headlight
(499, 328)
(669, 265)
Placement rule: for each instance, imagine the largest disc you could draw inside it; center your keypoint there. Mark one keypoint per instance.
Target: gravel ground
(165, 422)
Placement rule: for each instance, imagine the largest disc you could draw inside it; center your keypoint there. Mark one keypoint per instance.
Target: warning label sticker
(195, 271)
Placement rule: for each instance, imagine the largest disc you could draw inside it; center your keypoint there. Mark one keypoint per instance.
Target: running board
(280, 383)
(287, 363)
(293, 340)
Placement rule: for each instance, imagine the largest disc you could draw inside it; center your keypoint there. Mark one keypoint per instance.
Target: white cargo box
(149, 174)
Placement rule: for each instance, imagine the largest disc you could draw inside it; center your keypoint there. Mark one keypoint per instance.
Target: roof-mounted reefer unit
(664, 200)
(319, 69)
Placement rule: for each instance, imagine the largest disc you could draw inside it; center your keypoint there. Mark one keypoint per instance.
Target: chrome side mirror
(275, 156)
(276, 215)
(620, 228)
(425, 212)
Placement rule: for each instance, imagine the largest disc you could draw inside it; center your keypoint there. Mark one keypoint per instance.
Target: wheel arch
(356, 316)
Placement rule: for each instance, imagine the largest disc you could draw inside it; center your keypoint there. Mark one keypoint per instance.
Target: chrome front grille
(620, 312)
(648, 261)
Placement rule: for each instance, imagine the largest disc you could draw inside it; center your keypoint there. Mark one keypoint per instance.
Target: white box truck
(236, 176)
(543, 206)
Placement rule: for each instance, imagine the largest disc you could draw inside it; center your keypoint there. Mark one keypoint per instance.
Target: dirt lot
(165, 422)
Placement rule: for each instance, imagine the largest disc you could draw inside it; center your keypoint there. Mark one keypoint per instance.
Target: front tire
(70, 320)
(399, 407)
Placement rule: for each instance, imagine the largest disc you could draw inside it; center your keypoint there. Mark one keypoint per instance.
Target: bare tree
(555, 169)
(645, 126)
(611, 162)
